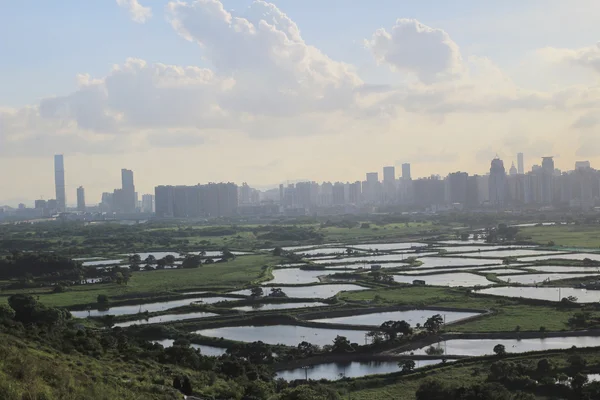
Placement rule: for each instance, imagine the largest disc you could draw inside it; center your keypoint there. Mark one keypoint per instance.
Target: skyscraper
(80, 199)
(389, 174)
(59, 182)
(406, 171)
(547, 180)
(497, 183)
(128, 191)
(520, 164)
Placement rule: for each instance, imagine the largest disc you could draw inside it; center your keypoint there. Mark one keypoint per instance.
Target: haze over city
(209, 91)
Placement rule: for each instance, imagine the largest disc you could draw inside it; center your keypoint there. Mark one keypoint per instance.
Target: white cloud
(139, 13)
(276, 72)
(413, 47)
(587, 57)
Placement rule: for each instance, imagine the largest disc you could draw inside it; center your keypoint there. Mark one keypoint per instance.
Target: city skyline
(128, 198)
(312, 97)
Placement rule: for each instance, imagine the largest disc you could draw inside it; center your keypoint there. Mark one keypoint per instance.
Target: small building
(418, 282)
(375, 267)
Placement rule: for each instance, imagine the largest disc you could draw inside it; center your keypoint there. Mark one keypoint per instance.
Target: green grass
(385, 233)
(508, 314)
(404, 387)
(238, 272)
(564, 235)
(31, 371)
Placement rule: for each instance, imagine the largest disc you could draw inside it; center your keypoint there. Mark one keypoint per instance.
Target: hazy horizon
(196, 91)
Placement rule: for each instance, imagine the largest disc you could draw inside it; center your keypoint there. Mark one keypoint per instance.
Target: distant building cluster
(542, 187)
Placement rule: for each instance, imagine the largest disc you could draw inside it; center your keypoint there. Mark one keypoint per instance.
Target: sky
(196, 91)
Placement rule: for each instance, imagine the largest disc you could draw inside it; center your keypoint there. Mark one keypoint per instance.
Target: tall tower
(80, 199)
(520, 164)
(128, 189)
(547, 180)
(497, 183)
(389, 174)
(406, 171)
(59, 182)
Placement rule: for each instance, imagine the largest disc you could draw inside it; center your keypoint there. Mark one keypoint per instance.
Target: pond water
(501, 271)
(296, 248)
(319, 291)
(166, 318)
(480, 347)
(324, 251)
(204, 349)
(87, 258)
(413, 317)
(289, 335)
(564, 268)
(157, 254)
(571, 256)
(433, 262)
(453, 280)
(150, 307)
(462, 249)
(101, 262)
(387, 246)
(279, 306)
(440, 270)
(366, 259)
(297, 276)
(544, 293)
(539, 278)
(511, 253)
(353, 369)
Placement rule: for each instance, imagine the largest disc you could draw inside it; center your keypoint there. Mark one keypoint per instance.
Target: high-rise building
(582, 164)
(390, 191)
(211, 200)
(80, 199)
(59, 182)
(497, 183)
(389, 174)
(513, 170)
(547, 182)
(40, 204)
(127, 202)
(148, 203)
(520, 164)
(372, 177)
(406, 171)
(457, 187)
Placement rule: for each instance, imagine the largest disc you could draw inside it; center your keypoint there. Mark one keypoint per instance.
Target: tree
(169, 259)
(307, 349)
(578, 381)
(576, 364)
(376, 337)
(191, 261)
(160, 264)
(433, 323)
(277, 251)
(407, 365)
(341, 344)
(150, 259)
(134, 259)
(256, 292)
(277, 292)
(499, 349)
(432, 390)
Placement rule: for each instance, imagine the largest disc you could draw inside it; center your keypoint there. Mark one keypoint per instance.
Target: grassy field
(32, 371)
(508, 314)
(587, 236)
(234, 273)
(404, 388)
(386, 232)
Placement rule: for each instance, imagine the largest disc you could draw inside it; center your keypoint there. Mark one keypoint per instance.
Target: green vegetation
(586, 236)
(507, 375)
(233, 273)
(506, 314)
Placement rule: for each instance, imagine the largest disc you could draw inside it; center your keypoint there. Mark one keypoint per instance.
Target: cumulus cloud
(276, 72)
(139, 13)
(587, 57)
(413, 47)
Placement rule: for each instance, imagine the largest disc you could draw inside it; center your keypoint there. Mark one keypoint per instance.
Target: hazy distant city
(503, 188)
